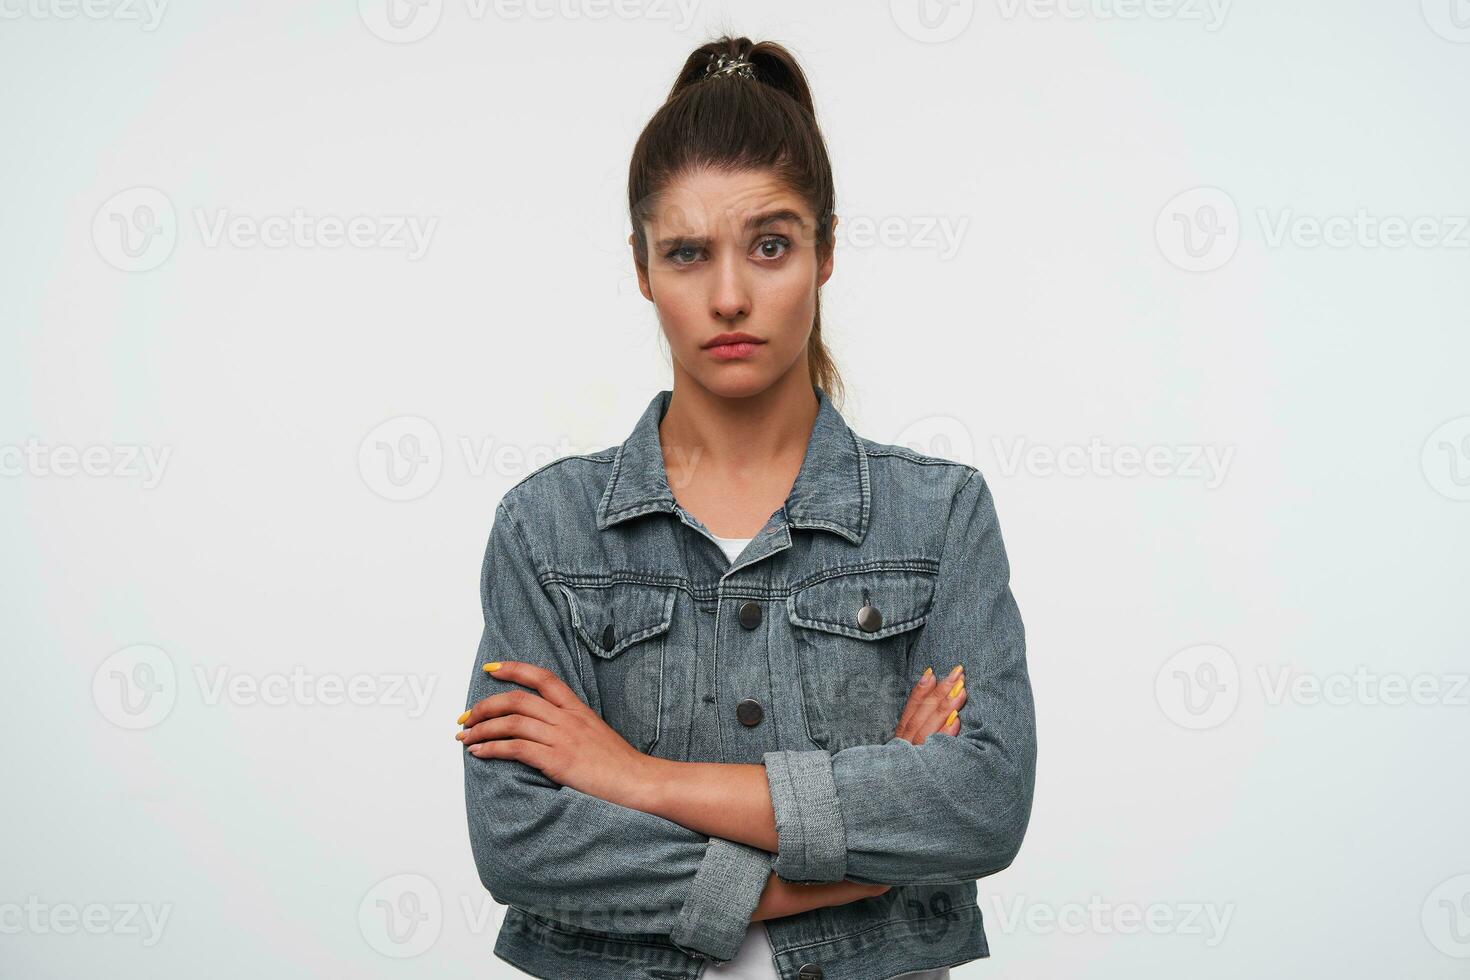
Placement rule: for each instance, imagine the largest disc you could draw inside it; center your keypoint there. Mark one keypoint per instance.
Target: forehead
(712, 202)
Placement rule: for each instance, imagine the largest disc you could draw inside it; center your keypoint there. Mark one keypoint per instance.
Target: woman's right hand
(927, 711)
(929, 707)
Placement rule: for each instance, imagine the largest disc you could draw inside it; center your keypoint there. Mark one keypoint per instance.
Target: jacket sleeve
(955, 807)
(570, 856)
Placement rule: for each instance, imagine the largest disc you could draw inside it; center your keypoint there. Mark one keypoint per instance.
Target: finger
(946, 696)
(512, 702)
(915, 700)
(508, 726)
(539, 679)
(532, 754)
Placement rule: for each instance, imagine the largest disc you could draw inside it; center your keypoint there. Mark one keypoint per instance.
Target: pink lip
(732, 352)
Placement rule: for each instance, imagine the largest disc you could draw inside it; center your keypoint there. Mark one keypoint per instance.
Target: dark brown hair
(733, 123)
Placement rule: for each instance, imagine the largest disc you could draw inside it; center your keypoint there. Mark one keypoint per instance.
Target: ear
(641, 271)
(824, 271)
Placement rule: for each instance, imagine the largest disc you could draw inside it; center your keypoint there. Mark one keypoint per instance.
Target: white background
(1070, 316)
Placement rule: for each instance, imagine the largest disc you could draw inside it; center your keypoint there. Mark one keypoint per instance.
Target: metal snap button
(750, 712)
(609, 637)
(870, 619)
(809, 971)
(750, 615)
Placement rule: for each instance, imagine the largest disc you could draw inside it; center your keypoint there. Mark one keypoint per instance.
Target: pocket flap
(901, 599)
(611, 618)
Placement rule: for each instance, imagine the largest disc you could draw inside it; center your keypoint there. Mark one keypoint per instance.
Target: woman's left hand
(551, 729)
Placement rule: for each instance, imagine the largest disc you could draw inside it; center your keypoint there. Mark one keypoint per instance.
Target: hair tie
(724, 64)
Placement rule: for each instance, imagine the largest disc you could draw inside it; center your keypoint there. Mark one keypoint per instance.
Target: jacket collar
(831, 491)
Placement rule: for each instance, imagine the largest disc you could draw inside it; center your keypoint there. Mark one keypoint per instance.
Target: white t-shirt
(756, 960)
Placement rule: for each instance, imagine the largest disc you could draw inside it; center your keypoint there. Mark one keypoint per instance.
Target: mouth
(733, 346)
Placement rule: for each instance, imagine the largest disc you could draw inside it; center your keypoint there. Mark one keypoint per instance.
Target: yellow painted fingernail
(493, 667)
(950, 720)
(928, 672)
(463, 717)
(956, 671)
(956, 689)
(458, 735)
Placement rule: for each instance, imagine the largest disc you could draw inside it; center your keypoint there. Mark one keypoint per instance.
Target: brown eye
(777, 241)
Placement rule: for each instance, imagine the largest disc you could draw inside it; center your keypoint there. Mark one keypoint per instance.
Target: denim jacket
(595, 572)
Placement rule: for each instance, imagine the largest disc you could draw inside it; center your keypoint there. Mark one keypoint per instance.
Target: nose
(729, 292)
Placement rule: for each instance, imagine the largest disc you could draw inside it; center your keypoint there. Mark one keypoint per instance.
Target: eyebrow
(755, 221)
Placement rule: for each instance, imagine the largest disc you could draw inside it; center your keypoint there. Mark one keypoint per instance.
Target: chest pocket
(852, 633)
(624, 629)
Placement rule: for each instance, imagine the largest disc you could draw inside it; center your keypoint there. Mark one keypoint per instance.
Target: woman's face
(733, 253)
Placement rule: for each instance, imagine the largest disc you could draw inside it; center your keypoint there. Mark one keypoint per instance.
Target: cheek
(681, 314)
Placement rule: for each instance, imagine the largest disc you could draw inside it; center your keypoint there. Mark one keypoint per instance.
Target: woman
(705, 734)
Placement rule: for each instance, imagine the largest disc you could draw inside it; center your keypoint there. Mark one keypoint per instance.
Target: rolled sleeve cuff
(811, 838)
(727, 888)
